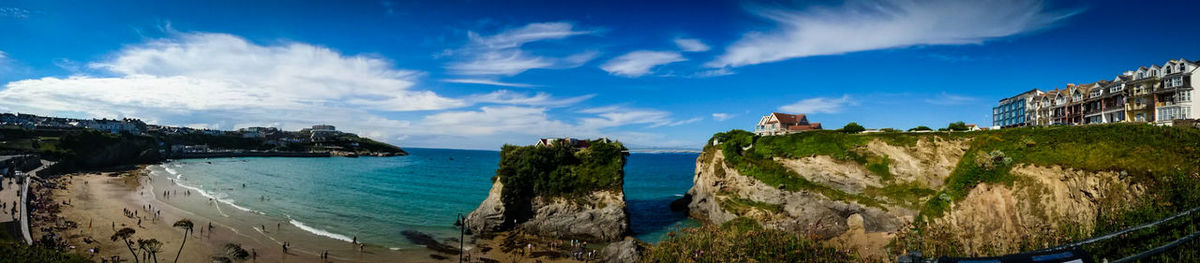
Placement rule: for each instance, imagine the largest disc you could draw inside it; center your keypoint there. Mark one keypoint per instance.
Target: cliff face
(869, 202)
(557, 192)
(600, 216)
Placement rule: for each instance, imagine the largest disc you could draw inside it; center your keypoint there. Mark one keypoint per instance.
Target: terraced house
(1157, 94)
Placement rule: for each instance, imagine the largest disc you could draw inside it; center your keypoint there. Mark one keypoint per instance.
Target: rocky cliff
(600, 216)
(951, 193)
(557, 191)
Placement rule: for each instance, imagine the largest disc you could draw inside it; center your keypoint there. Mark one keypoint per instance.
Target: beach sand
(99, 199)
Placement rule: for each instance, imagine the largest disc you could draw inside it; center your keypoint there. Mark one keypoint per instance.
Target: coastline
(98, 199)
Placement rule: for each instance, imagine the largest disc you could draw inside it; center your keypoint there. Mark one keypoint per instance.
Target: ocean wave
(319, 232)
(197, 189)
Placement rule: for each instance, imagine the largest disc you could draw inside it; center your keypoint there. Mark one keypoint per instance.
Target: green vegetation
(1144, 151)
(920, 128)
(751, 156)
(16, 252)
(742, 240)
(853, 127)
(560, 170)
(741, 206)
(957, 126)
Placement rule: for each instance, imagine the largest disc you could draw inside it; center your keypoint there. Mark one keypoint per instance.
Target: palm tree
(124, 234)
(186, 225)
(151, 247)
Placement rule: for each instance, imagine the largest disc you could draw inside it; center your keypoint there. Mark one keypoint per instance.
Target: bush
(853, 127)
(20, 253)
(742, 240)
(957, 126)
(920, 128)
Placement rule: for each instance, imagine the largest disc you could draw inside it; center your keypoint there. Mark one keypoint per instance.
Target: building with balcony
(1159, 93)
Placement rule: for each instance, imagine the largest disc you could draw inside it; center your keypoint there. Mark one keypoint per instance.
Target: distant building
(577, 143)
(323, 132)
(780, 123)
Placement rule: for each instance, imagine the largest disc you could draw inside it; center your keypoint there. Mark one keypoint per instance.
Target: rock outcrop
(599, 217)
(570, 193)
(628, 250)
(809, 212)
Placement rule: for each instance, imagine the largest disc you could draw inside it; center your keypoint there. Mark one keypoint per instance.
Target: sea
(374, 199)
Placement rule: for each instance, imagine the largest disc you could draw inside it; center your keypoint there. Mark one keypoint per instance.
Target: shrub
(957, 126)
(920, 128)
(742, 240)
(853, 127)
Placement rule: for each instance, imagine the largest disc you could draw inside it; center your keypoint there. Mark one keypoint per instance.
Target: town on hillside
(320, 139)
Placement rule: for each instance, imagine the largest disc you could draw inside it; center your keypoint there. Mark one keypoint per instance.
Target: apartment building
(1156, 94)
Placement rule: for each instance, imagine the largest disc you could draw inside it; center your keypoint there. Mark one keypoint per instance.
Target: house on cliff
(782, 123)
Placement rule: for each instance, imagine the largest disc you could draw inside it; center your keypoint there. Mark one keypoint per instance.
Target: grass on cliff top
(1144, 151)
(741, 240)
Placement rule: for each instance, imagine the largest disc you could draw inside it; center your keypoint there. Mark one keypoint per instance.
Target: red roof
(789, 118)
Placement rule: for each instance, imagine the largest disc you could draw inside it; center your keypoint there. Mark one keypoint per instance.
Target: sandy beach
(91, 207)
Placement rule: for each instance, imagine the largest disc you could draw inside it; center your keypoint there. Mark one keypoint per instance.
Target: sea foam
(319, 232)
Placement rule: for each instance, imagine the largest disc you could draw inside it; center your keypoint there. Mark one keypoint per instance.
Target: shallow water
(374, 199)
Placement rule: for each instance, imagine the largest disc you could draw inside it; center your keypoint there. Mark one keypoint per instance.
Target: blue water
(374, 198)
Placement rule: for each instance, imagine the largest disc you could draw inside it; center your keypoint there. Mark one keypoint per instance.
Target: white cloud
(720, 116)
(489, 82)
(714, 73)
(875, 24)
(3, 55)
(616, 116)
(819, 105)
(501, 54)
(539, 99)
(14, 12)
(691, 45)
(947, 99)
(639, 63)
(223, 80)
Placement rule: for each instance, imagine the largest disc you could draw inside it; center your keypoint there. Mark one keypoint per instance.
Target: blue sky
(479, 74)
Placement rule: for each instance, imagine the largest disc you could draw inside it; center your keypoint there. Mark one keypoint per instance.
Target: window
(1173, 82)
(1184, 96)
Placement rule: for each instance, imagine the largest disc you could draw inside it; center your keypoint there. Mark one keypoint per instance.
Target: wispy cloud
(501, 54)
(14, 12)
(492, 125)
(691, 45)
(639, 63)
(946, 99)
(489, 82)
(720, 116)
(540, 99)
(614, 116)
(819, 105)
(875, 24)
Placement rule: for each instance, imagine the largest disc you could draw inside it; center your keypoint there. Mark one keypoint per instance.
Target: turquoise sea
(376, 198)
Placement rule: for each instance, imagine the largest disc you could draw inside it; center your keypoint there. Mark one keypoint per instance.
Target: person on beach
(354, 241)
(253, 254)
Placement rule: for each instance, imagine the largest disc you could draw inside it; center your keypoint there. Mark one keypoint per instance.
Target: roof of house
(788, 118)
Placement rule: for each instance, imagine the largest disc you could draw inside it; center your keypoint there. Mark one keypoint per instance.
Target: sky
(481, 74)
